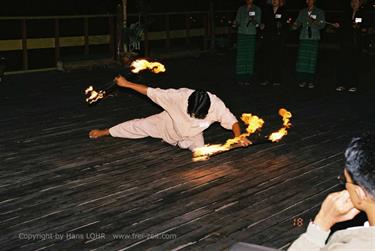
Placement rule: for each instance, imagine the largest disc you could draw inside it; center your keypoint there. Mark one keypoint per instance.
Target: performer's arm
(123, 82)
(237, 133)
(236, 129)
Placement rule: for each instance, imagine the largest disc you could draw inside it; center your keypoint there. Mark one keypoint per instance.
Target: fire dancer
(312, 21)
(187, 113)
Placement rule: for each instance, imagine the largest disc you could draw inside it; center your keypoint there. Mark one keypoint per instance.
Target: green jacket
(248, 20)
(316, 22)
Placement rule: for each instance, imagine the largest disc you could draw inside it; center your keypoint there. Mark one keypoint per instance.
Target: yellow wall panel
(72, 41)
(10, 45)
(99, 39)
(40, 43)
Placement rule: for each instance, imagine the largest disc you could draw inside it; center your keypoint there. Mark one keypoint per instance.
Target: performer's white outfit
(174, 125)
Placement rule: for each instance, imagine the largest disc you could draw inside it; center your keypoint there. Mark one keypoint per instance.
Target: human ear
(361, 193)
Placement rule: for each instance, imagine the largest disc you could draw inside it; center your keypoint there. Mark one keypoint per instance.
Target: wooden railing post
(119, 33)
(187, 26)
(57, 40)
(167, 32)
(205, 31)
(212, 26)
(146, 42)
(111, 37)
(25, 59)
(86, 35)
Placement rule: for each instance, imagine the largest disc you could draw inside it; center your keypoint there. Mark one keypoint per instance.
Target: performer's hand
(244, 141)
(121, 81)
(94, 134)
(336, 25)
(337, 207)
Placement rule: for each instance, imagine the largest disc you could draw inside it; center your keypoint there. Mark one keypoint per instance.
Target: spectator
(359, 180)
(312, 21)
(247, 20)
(350, 53)
(274, 28)
(359, 195)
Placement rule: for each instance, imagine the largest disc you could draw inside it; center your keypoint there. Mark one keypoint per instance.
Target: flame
(94, 95)
(142, 64)
(254, 123)
(137, 66)
(286, 115)
(207, 150)
(89, 89)
(277, 136)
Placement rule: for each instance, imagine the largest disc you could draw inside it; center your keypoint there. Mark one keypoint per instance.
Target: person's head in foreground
(359, 180)
(360, 173)
(359, 195)
(198, 104)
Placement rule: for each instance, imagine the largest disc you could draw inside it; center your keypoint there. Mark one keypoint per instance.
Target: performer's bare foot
(94, 134)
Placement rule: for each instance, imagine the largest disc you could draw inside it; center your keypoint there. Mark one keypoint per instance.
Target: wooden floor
(59, 190)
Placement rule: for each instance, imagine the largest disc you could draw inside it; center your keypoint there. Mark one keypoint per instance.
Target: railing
(185, 26)
(194, 29)
(166, 27)
(26, 43)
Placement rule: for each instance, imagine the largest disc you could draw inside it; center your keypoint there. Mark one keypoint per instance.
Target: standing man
(187, 113)
(311, 20)
(247, 20)
(350, 53)
(274, 33)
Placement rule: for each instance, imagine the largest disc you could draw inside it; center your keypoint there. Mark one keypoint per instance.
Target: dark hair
(198, 104)
(360, 162)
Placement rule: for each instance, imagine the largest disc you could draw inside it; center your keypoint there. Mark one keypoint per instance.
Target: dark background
(71, 7)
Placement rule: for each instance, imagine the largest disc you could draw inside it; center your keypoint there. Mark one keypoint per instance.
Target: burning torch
(254, 124)
(92, 95)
